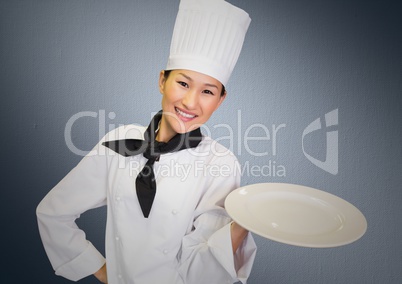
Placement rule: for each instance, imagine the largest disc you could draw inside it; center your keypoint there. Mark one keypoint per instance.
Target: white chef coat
(185, 239)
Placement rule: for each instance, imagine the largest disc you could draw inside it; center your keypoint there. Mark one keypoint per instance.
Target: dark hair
(167, 73)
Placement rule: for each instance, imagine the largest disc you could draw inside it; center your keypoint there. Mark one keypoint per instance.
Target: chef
(163, 225)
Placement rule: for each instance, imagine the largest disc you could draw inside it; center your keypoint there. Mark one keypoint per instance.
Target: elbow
(40, 209)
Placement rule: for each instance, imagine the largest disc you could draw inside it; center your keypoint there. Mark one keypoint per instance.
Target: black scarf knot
(151, 149)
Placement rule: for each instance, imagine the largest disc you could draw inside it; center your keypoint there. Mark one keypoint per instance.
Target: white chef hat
(208, 36)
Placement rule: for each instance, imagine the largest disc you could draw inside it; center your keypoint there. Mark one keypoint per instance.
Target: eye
(184, 84)
(208, 92)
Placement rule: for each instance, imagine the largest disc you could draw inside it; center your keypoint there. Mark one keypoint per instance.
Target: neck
(161, 138)
(164, 135)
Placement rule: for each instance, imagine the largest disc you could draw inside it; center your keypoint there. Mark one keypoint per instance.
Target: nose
(190, 99)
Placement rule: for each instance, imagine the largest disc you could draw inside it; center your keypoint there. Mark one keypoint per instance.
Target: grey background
(301, 59)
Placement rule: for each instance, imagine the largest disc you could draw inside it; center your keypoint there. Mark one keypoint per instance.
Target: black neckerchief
(152, 149)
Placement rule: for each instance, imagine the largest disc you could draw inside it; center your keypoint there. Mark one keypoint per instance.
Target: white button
(117, 238)
(174, 212)
(165, 251)
(119, 276)
(118, 198)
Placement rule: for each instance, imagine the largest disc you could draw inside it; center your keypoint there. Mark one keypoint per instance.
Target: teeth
(184, 114)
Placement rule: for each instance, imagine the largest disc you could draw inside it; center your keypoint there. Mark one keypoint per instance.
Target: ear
(162, 81)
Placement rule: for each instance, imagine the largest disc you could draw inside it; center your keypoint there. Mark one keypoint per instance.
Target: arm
(226, 251)
(85, 187)
(238, 234)
(101, 274)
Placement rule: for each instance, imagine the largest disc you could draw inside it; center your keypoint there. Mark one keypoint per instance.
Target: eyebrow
(206, 84)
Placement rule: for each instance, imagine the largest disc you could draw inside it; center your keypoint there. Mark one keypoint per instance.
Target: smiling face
(189, 99)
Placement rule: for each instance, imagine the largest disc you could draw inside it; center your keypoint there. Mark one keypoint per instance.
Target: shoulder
(220, 167)
(215, 151)
(129, 131)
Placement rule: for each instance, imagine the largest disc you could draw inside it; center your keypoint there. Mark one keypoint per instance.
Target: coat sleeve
(84, 188)
(206, 253)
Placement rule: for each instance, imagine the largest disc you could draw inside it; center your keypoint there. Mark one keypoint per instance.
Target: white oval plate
(296, 215)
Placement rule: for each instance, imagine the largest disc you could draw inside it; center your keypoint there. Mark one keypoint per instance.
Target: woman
(164, 185)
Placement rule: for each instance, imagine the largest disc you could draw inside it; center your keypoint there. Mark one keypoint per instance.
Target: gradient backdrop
(301, 60)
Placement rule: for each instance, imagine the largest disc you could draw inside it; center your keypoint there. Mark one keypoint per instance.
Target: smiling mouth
(184, 114)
